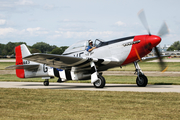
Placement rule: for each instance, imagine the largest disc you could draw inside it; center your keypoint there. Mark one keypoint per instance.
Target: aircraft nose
(154, 40)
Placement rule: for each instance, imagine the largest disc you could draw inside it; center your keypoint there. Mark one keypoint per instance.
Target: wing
(27, 67)
(57, 61)
(65, 62)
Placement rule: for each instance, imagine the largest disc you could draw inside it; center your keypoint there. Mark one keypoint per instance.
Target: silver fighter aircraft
(78, 63)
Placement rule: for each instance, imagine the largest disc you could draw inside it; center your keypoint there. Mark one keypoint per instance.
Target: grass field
(149, 66)
(91, 105)
(160, 80)
(145, 66)
(3, 65)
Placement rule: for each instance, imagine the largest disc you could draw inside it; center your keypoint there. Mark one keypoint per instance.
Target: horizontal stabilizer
(27, 67)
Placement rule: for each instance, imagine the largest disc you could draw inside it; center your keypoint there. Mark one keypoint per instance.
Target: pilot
(90, 47)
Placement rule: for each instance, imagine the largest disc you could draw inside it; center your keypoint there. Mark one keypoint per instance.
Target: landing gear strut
(96, 78)
(141, 79)
(46, 82)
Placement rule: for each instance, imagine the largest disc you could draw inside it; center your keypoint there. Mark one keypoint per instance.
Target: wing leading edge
(65, 62)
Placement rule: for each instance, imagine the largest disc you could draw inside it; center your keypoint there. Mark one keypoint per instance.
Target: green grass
(92, 105)
(145, 66)
(3, 65)
(149, 66)
(13, 77)
(161, 80)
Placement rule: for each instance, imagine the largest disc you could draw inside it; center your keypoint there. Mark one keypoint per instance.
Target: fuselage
(122, 51)
(107, 55)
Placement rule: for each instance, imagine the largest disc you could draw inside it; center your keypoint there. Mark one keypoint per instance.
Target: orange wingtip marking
(164, 70)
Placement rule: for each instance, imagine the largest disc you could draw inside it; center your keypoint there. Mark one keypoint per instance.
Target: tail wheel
(100, 83)
(141, 81)
(46, 82)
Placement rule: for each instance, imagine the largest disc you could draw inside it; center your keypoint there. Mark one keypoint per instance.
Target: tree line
(174, 46)
(39, 47)
(42, 47)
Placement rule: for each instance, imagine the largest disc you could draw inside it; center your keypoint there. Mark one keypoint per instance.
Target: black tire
(142, 82)
(100, 83)
(46, 83)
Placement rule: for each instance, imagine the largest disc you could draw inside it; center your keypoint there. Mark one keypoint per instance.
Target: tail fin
(21, 51)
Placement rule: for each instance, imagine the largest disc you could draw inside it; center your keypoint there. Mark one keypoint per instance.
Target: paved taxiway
(89, 86)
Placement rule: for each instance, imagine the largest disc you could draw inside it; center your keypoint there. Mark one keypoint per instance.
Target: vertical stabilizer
(21, 51)
(24, 50)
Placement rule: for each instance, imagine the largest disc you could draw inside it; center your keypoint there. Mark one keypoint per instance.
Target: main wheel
(100, 83)
(46, 82)
(141, 81)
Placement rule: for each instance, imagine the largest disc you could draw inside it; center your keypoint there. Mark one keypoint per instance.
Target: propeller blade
(142, 17)
(138, 55)
(162, 64)
(163, 30)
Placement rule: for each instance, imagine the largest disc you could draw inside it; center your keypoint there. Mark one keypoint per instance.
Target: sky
(64, 22)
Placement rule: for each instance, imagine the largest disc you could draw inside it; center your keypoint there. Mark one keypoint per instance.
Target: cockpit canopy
(81, 46)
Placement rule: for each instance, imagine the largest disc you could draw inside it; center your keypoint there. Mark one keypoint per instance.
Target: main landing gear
(96, 78)
(141, 79)
(100, 83)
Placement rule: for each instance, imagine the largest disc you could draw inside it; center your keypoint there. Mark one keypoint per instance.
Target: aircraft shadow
(75, 86)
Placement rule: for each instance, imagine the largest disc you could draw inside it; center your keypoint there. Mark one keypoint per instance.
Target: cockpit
(98, 43)
(82, 45)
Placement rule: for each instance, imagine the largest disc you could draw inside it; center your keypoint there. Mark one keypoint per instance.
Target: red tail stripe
(19, 61)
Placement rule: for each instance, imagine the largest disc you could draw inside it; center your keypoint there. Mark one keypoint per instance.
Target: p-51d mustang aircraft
(78, 64)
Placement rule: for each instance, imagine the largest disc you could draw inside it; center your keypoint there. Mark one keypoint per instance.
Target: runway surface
(89, 86)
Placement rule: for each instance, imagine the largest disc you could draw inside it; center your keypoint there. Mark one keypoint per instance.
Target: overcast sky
(63, 22)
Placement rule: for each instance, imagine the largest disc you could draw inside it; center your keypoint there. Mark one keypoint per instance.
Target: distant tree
(64, 48)
(19, 43)
(39, 47)
(4, 52)
(174, 46)
(34, 50)
(8, 49)
(52, 47)
(1, 48)
(43, 47)
(59, 50)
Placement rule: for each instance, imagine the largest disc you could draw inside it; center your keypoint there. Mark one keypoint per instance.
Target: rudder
(21, 51)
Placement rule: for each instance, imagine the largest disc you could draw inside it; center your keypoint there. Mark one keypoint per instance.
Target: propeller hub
(154, 40)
